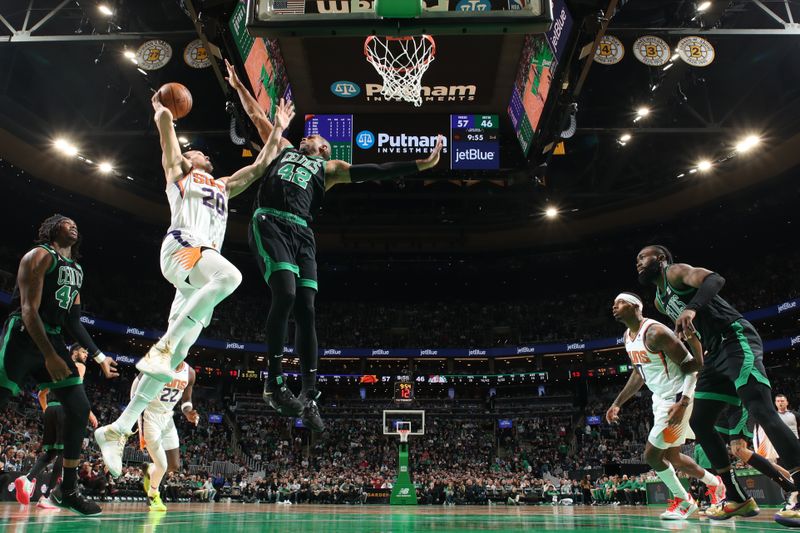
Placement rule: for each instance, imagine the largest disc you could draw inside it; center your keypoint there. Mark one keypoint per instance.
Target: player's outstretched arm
(30, 279)
(186, 400)
(633, 385)
(244, 177)
(708, 285)
(78, 331)
(251, 107)
(337, 171)
(175, 165)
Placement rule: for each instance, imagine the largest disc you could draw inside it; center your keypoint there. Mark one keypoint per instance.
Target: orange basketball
(177, 98)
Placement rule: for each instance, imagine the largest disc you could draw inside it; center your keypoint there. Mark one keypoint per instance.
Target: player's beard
(650, 273)
(304, 150)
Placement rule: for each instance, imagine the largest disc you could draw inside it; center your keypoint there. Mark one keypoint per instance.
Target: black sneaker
(310, 416)
(280, 398)
(74, 501)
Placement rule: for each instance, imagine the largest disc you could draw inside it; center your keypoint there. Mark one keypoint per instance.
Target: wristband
(99, 357)
(687, 359)
(186, 406)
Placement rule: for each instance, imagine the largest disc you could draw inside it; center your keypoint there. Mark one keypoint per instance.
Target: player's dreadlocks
(47, 234)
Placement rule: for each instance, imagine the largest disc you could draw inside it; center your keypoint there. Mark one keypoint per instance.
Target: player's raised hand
(612, 415)
(284, 114)
(109, 367)
(192, 416)
(233, 79)
(433, 159)
(93, 420)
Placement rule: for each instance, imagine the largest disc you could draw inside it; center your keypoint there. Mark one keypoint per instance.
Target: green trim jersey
(62, 282)
(710, 321)
(293, 183)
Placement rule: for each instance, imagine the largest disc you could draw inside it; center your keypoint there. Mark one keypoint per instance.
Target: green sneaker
(155, 502)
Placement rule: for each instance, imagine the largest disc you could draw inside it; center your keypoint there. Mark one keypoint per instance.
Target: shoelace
(673, 504)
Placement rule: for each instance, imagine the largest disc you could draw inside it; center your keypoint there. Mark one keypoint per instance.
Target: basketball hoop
(401, 62)
(403, 434)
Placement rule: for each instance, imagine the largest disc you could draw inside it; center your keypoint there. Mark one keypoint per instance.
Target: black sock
(733, 490)
(70, 479)
(55, 476)
(41, 463)
(768, 469)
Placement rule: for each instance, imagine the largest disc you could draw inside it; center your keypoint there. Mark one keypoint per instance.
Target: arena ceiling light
(105, 10)
(704, 165)
(748, 143)
(183, 140)
(625, 137)
(66, 147)
(641, 112)
(675, 56)
(105, 167)
(703, 6)
(551, 212)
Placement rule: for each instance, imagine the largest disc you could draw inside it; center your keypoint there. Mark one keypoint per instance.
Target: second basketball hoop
(401, 62)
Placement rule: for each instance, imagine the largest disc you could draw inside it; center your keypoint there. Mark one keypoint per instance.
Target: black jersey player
(288, 195)
(46, 300)
(733, 374)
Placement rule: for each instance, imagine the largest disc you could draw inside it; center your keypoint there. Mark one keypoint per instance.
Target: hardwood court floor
(237, 517)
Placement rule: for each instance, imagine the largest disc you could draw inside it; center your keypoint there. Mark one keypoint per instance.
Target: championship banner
(610, 51)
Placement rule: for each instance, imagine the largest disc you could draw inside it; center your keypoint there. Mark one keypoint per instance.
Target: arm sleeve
(386, 171)
(75, 327)
(706, 292)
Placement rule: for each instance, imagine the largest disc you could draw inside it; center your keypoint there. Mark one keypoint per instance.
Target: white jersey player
(190, 260)
(662, 363)
(157, 432)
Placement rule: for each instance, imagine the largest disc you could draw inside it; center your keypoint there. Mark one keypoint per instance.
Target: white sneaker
(111, 443)
(24, 487)
(679, 509)
(157, 364)
(45, 503)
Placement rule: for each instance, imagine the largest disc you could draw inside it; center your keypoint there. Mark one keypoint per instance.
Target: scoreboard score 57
(403, 391)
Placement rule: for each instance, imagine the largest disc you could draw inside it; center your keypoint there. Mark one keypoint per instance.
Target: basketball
(177, 98)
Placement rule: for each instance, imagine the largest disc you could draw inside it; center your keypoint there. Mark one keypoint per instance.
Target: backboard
(302, 18)
(411, 419)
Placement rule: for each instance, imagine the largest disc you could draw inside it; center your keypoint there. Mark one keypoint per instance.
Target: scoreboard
(404, 392)
(474, 142)
(471, 142)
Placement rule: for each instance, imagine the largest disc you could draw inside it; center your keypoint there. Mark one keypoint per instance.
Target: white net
(401, 62)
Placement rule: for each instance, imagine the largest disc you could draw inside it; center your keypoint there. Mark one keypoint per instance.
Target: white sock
(157, 468)
(147, 389)
(709, 479)
(670, 479)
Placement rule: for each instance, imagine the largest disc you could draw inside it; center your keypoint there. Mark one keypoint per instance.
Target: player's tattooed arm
(660, 339)
(30, 279)
(708, 285)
